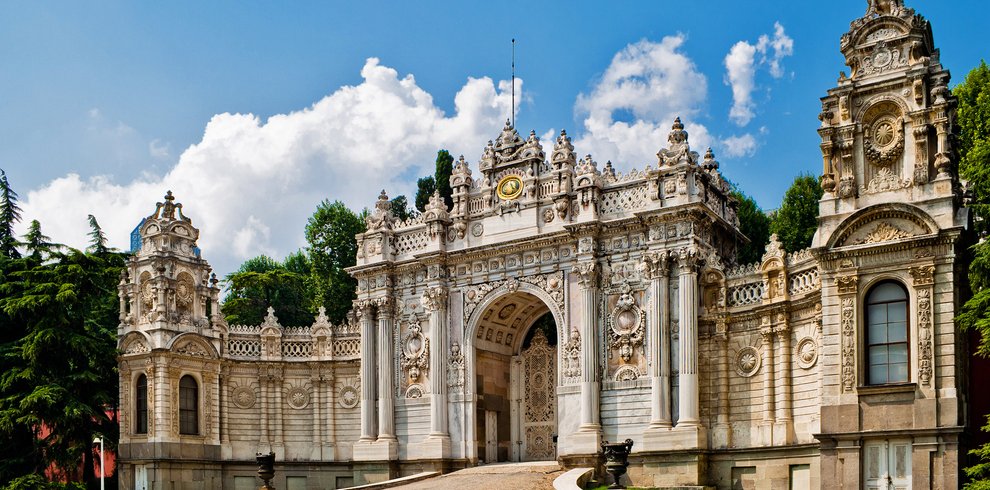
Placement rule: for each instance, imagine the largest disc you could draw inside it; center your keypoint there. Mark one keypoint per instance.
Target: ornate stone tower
(889, 235)
(170, 338)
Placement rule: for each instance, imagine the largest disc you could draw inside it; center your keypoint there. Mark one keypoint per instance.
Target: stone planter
(616, 460)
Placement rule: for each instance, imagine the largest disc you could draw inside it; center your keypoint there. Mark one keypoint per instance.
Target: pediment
(883, 224)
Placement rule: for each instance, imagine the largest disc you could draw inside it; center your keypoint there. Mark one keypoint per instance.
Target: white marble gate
(539, 416)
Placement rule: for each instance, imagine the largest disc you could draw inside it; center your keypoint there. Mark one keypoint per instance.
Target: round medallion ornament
(510, 187)
(243, 397)
(348, 397)
(477, 230)
(807, 352)
(747, 361)
(298, 398)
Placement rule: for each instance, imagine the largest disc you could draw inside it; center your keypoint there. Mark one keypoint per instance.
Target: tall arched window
(887, 351)
(141, 405)
(188, 405)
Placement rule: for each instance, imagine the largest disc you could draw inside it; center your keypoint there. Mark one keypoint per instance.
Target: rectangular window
(141, 406)
(188, 405)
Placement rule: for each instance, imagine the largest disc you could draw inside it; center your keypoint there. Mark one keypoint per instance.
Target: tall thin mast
(512, 110)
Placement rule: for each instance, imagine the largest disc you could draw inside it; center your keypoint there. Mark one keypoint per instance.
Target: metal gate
(539, 417)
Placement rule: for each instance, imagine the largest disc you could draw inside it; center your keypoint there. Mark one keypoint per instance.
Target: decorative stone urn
(616, 460)
(266, 469)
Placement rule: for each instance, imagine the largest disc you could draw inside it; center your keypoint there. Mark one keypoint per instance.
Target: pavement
(531, 475)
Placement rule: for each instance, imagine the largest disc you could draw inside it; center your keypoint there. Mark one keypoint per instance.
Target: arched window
(887, 350)
(141, 405)
(188, 405)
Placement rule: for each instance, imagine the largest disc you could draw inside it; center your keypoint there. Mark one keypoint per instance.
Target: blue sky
(104, 106)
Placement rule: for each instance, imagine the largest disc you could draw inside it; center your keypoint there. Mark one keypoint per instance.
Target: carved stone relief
(925, 336)
(847, 323)
(243, 397)
(807, 353)
(297, 397)
(415, 352)
(748, 360)
(348, 397)
(626, 326)
(455, 370)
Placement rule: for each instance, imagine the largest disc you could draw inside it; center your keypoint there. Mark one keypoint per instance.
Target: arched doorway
(515, 361)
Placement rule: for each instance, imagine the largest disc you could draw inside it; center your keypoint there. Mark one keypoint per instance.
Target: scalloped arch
(502, 290)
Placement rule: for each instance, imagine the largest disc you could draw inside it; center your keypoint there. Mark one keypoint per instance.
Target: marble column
(722, 435)
(587, 274)
(386, 383)
(657, 268)
(688, 394)
(766, 424)
(434, 300)
(369, 430)
(783, 429)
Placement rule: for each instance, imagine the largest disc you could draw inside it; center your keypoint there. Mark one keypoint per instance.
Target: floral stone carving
(807, 352)
(747, 361)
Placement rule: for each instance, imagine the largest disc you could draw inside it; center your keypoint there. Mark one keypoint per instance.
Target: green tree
(38, 246)
(10, 215)
(97, 239)
(439, 181)
(400, 208)
(796, 221)
(332, 248)
(973, 145)
(60, 377)
(444, 167)
(261, 282)
(425, 188)
(755, 224)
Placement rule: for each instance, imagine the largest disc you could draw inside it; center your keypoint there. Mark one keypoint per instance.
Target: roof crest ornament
(169, 209)
(679, 150)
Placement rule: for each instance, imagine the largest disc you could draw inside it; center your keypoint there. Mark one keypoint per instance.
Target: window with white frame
(887, 347)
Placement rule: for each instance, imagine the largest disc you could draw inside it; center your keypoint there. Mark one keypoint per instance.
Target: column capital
(587, 272)
(385, 306)
(434, 298)
(655, 265)
(364, 308)
(688, 259)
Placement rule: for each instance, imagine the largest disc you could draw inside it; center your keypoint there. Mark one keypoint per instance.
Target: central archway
(515, 377)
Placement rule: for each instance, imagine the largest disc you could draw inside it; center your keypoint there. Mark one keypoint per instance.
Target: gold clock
(510, 187)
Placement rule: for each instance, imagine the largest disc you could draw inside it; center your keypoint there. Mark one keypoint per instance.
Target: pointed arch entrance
(514, 344)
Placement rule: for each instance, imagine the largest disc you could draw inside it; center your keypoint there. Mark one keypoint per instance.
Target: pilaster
(588, 437)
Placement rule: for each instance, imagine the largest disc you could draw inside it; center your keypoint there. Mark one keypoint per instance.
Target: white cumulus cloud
(628, 113)
(741, 64)
(250, 184)
(739, 146)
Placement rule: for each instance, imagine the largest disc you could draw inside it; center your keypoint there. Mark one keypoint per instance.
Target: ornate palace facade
(559, 304)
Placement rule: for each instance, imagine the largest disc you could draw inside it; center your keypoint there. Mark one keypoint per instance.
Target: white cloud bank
(250, 184)
(653, 82)
(741, 64)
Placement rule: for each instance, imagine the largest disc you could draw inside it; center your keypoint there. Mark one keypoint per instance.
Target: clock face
(510, 187)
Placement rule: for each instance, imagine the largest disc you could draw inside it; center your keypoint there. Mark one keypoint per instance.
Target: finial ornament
(168, 209)
(678, 151)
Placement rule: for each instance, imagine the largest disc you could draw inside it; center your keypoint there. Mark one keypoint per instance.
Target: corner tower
(888, 242)
(170, 341)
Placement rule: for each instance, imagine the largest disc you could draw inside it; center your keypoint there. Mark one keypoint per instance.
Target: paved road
(510, 476)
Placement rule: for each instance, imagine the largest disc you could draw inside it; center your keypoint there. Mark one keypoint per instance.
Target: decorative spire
(563, 150)
(710, 163)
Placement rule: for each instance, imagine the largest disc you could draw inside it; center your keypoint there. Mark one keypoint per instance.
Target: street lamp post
(99, 439)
